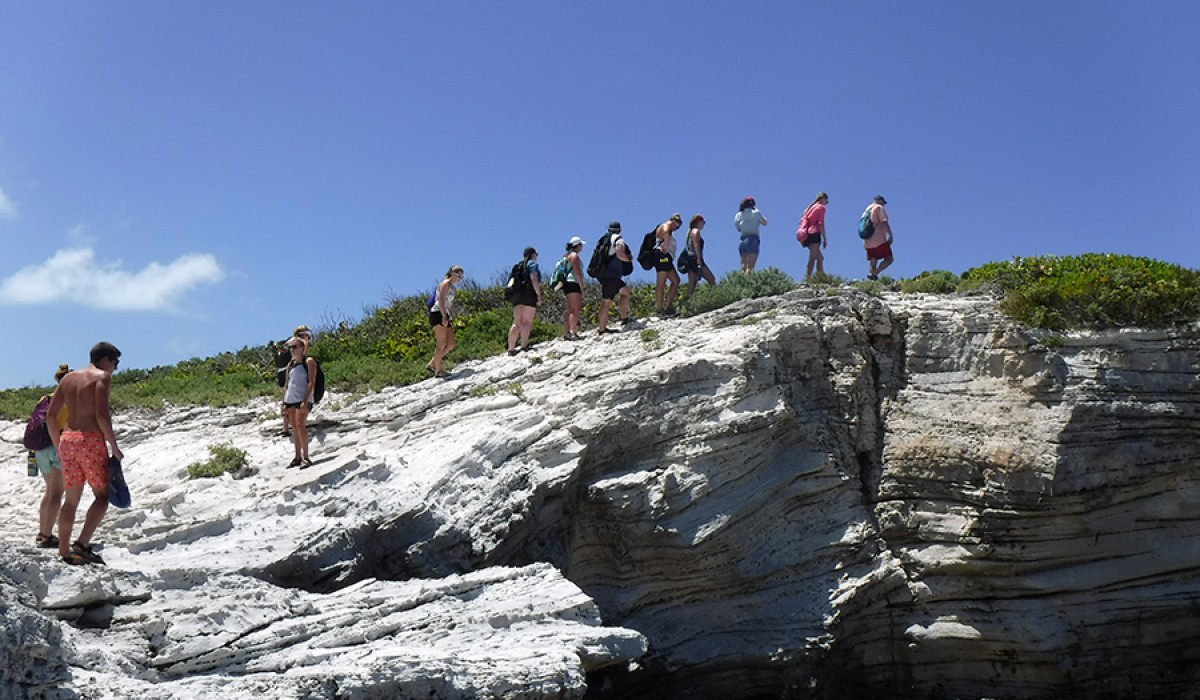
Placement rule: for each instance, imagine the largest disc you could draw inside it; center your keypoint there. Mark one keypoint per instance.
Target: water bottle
(33, 467)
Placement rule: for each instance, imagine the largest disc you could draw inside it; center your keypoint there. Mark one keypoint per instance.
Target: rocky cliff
(819, 495)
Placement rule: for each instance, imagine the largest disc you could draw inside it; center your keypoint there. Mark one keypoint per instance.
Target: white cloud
(8, 210)
(74, 275)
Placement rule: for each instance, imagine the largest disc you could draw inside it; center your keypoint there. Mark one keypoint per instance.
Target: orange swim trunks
(84, 457)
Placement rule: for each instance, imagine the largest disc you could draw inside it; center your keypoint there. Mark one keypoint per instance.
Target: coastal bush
(735, 286)
(224, 459)
(931, 282)
(1092, 291)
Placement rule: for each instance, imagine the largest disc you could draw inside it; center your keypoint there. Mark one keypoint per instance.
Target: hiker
(283, 357)
(611, 285)
(50, 468)
(573, 288)
(811, 234)
(879, 245)
(526, 302)
(297, 401)
(664, 266)
(83, 448)
(692, 259)
(440, 304)
(748, 220)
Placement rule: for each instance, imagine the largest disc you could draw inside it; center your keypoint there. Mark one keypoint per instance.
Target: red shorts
(84, 457)
(880, 252)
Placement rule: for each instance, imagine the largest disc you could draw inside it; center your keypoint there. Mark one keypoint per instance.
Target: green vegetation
(931, 282)
(735, 286)
(225, 459)
(1092, 291)
(392, 343)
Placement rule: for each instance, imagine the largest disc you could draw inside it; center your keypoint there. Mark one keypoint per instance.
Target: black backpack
(518, 281)
(319, 385)
(283, 357)
(648, 254)
(601, 256)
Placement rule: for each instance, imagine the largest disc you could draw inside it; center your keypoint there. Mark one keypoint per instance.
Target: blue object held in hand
(118, 491)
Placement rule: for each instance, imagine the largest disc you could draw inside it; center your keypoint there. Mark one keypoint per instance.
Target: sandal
(305, 463)
(87, 553)
(46, 541)
(74, 559)
(294, 463)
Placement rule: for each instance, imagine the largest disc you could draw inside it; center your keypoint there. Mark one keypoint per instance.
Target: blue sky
(183, 179)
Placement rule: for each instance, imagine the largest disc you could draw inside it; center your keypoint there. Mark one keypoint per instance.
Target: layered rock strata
(819, 495)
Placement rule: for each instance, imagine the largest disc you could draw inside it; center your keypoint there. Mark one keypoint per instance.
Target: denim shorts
(748, 245)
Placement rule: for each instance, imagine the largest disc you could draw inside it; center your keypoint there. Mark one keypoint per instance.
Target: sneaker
(628, 320)
(86, 553)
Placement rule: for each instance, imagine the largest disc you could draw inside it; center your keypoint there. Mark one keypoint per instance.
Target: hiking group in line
(612, 260)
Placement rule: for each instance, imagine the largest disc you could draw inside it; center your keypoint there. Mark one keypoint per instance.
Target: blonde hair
(63, 370)
(456, 270)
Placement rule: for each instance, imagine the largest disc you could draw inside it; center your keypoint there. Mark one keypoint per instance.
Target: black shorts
(572, 288)
(663, 263)
(610, 287)
(527, 297)
(813, 238)
(297, 405)
(435, 318)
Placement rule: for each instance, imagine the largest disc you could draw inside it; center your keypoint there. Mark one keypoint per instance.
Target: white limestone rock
(810, 495)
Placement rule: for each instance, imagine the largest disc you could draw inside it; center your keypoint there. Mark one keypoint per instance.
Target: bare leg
(299, 417)
(66, 518)
(95, 514)
(51, 502)
(602, 317)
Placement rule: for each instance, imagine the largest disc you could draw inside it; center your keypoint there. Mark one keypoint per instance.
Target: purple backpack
(37, 435)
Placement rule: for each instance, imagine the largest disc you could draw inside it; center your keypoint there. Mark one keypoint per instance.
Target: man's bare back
(84, 391)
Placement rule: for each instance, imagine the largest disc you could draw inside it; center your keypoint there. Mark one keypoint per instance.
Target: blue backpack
(866, 227)
(559, 277)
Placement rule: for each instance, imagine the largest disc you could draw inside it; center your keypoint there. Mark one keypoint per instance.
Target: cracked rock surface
(813, 495)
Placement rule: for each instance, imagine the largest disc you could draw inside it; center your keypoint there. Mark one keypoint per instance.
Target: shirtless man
(83, 448)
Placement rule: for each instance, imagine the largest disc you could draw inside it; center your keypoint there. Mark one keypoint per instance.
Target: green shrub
(1091, 291)
(735, 286)
(225, 459)
(931, 282)
(824, 279)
